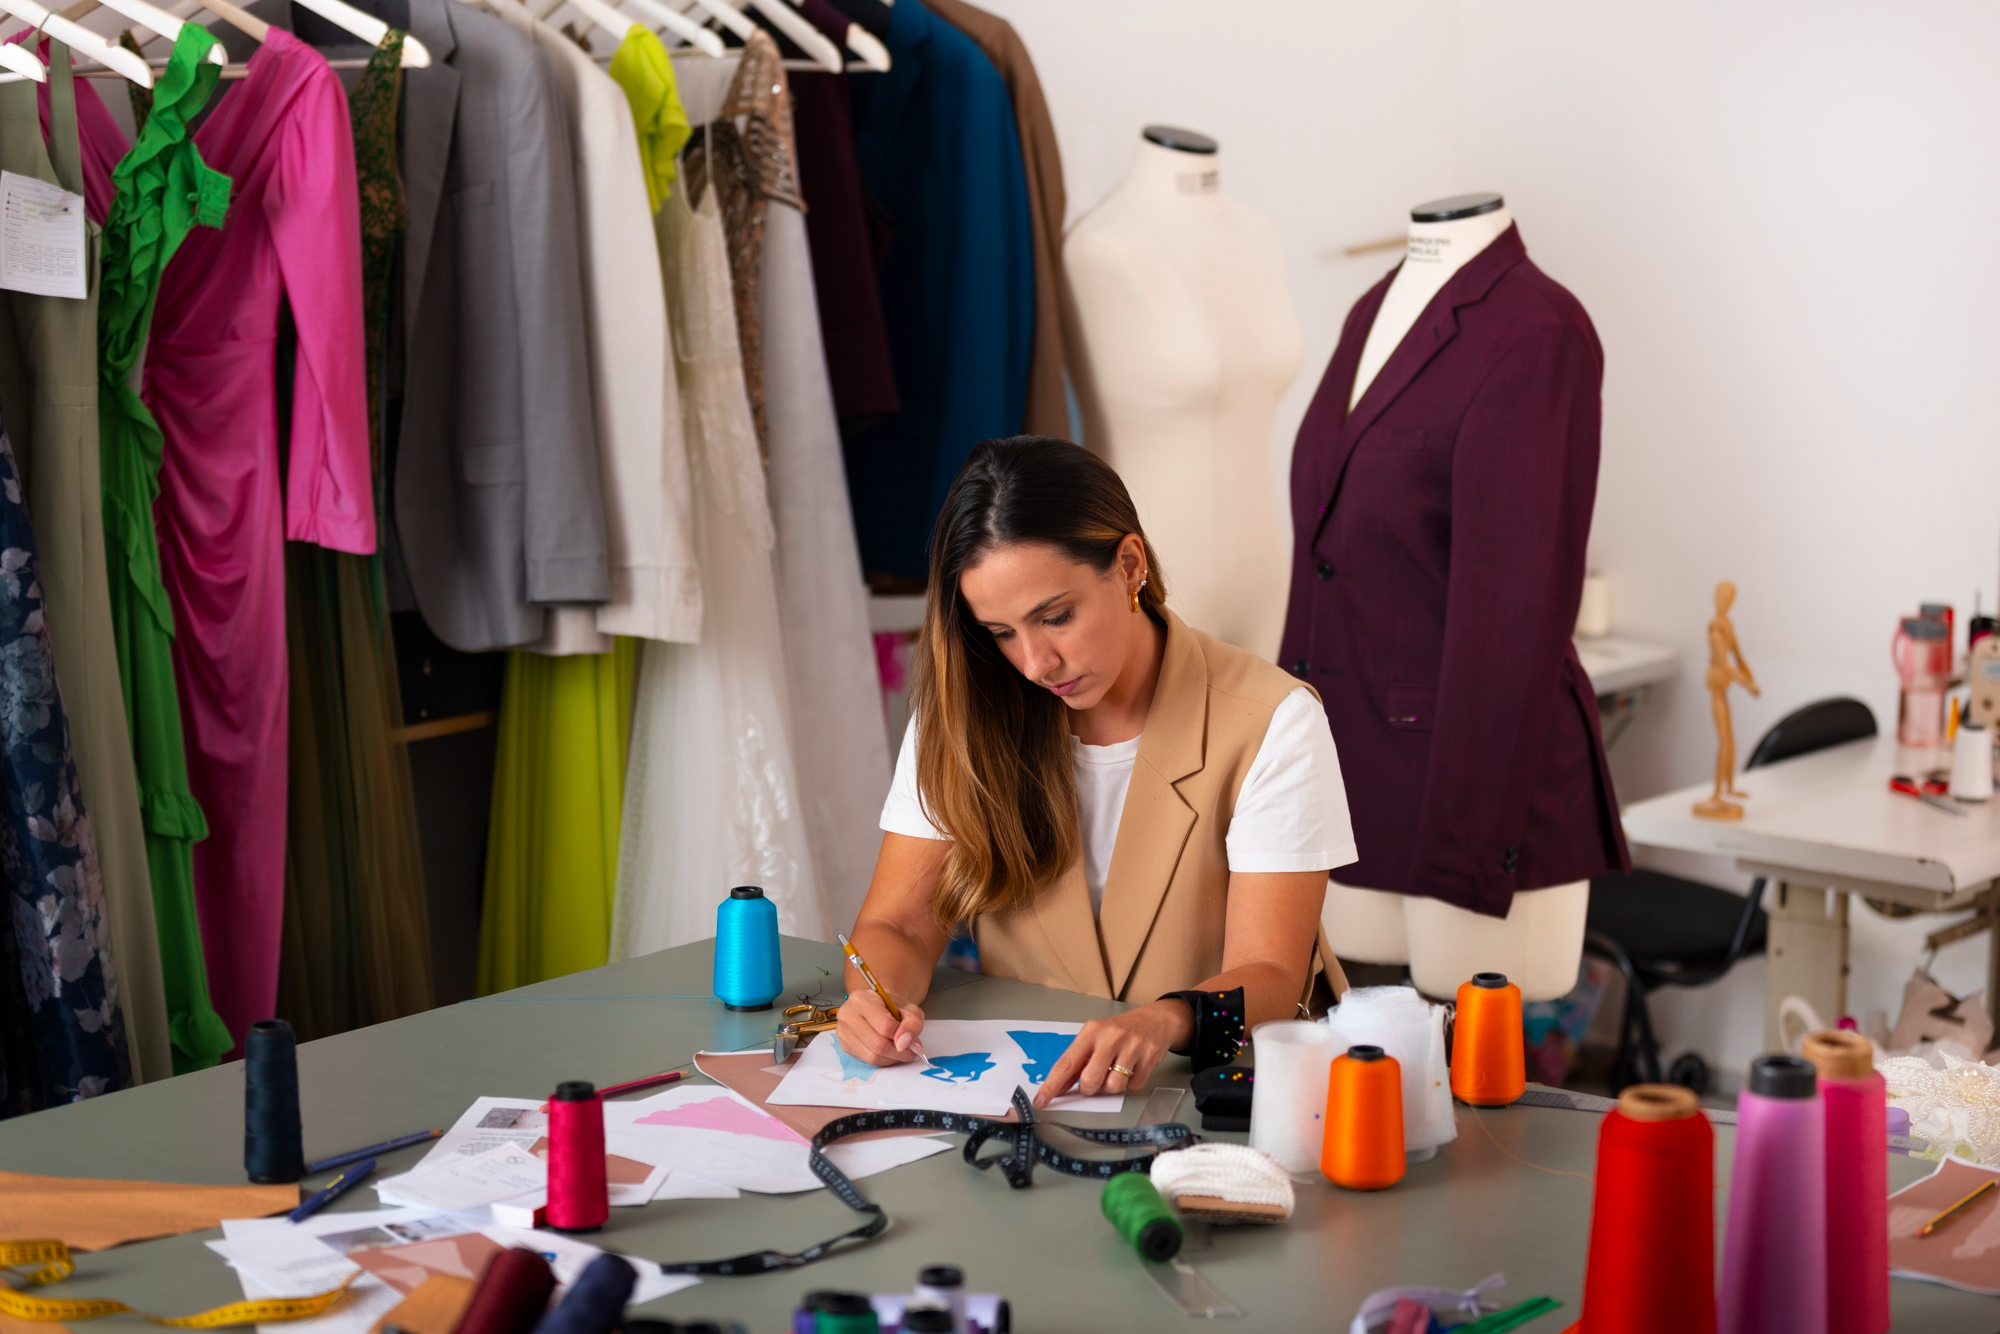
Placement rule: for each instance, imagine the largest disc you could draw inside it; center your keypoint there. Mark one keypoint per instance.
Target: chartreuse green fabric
(642, 69)
(164, 190)
(558, 795)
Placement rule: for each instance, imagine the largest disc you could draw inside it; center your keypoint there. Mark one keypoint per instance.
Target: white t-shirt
(1290, 816)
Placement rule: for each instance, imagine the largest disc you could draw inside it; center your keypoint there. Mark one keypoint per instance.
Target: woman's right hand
(868, 1033)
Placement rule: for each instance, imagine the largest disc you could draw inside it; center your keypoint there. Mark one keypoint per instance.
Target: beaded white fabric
(1233, 1172)
(1956, 1109)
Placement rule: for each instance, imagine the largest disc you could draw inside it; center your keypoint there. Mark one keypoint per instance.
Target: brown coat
(1162, 922)
(1048, 403)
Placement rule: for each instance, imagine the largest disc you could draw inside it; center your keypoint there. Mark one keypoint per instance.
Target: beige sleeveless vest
(1161, 925)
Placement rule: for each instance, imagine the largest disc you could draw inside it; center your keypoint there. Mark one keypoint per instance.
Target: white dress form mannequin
(1182, 340)
(1540, 941)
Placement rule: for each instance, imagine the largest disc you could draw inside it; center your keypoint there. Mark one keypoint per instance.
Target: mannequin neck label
(1208, 181)
(1436, 251)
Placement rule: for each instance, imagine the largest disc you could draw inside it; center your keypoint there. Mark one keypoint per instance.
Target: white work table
(1616, 665)
(1822, 827)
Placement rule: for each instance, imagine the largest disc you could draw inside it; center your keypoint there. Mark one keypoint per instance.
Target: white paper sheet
(727, 1140)
(300, 1259)
(495, 1124)
(488, 1124)
(468, 1181)
(42, 242)
(974, 1067)
(274, 1257)
(682, 1186)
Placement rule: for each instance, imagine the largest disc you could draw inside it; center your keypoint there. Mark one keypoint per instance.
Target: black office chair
(1660, 930)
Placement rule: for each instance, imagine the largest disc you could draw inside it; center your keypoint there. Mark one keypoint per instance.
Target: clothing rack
(238, 71)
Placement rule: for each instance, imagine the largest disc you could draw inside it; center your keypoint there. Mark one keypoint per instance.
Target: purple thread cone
(1774, 1248)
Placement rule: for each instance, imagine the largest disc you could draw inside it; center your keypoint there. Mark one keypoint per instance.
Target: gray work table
(1502, 1197)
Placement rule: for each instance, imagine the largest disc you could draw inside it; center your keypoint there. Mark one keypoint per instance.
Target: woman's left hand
(1135, 1041)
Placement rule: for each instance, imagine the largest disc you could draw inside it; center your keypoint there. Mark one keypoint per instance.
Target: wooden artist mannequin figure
(1725, 667)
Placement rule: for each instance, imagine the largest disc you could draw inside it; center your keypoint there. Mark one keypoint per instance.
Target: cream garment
(642, 457)
(1537, 944)
(836, 696)
(711, 799)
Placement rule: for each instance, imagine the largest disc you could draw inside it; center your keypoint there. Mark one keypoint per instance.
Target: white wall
(1777, 216)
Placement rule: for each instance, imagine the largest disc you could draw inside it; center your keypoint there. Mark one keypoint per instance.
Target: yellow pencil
(861, 967)
(1956, 1209)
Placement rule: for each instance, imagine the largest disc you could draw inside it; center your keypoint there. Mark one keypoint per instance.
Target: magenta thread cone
(1774, 1247)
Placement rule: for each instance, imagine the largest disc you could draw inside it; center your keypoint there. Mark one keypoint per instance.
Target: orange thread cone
(1489, 1062)
(1363, 1146)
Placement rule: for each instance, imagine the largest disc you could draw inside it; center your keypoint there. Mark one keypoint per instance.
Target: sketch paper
(974, 1066)
(396, 1249)
(1962, 1254)
(710, 1133)
(488, 1124)
(492, 1125)
(468, 1181)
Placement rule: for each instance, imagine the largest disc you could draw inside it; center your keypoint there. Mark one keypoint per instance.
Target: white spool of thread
(1971, 765)
(1288, 1109)
(1593, 610)
(1411, 1029)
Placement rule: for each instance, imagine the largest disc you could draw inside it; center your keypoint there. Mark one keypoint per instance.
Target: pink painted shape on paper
(724, 1114)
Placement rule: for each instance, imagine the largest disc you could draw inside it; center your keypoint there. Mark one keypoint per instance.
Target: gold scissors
(798, 1025)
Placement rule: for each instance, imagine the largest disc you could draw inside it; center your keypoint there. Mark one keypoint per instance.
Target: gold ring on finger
(1118, 1069)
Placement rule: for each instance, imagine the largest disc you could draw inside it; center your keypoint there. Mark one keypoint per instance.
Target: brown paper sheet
(434, 1308)
(1963, 1253)
(91, 1215)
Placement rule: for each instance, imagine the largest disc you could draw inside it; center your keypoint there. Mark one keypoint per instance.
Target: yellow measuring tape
(55, 1263)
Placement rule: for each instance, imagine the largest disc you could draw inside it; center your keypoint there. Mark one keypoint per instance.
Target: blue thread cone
(748, 972)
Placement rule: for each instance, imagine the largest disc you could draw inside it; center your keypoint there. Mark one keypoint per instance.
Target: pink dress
(226, 506)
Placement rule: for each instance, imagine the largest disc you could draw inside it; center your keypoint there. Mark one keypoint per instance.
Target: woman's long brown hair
(993, 752)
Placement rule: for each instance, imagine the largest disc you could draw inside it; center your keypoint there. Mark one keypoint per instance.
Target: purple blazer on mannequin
(1438, 557)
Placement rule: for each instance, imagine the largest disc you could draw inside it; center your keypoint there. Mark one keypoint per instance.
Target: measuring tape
(1098, 1153)
(56, 1263)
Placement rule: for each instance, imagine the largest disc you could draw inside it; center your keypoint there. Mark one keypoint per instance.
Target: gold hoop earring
(1135, 594)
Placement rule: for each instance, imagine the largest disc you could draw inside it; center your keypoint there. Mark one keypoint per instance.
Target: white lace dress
(711, 793)
(841, 746)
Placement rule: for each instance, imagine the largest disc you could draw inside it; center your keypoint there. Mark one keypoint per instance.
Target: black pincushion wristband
(1218, 1026)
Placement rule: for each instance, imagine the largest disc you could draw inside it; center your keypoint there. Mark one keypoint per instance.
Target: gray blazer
(499, 511)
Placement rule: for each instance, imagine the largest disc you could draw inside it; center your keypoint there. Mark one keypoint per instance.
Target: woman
(1113, 802)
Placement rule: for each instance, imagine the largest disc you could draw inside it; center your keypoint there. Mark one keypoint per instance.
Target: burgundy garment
(843, 259)
(1438, 558)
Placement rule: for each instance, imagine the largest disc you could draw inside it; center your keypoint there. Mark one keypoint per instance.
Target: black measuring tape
(1099, 1153)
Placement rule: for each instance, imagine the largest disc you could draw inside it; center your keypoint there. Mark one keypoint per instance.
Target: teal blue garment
(941, 161)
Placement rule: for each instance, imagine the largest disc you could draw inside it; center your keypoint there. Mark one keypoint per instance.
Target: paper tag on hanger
(42, 242)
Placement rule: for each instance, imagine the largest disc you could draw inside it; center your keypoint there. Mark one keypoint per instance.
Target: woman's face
(1064, 626)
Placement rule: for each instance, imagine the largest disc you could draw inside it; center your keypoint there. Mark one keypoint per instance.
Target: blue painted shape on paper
(1043, 1050)
(964, 1068)
(850, 1068)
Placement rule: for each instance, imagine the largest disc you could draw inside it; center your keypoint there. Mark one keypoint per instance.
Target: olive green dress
(356, 943)
(48, 398)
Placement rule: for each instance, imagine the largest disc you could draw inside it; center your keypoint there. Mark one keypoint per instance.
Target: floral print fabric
(62, 1037)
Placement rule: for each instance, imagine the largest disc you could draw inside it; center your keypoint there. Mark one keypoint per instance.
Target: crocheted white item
(1955, 1109)
(1234, 1173)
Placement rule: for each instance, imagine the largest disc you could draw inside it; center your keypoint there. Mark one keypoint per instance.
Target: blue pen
(356, 1155)
(335, 1188)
